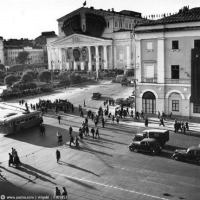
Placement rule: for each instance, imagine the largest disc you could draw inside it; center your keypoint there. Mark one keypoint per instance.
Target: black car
(191, 154)
(150, 145)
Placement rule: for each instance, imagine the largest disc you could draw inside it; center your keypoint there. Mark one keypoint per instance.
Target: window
(129, 26)
(197, 44)
(149, 46)
(175, 105)
(149, 71)
(116, 24)
(175, 45)
(196, 108)
(126, 25)
(175, 72)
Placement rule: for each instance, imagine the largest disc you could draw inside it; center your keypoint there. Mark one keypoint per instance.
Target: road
(102, 168)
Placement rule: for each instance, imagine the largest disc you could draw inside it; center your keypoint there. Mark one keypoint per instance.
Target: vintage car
(149, 145)
(96, 95)
(191, 154)
(162, 136)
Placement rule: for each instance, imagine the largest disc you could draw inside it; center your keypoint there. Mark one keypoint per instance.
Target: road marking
(110, 186)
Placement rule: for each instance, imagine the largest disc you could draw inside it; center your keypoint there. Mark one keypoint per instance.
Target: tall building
(1, 51)
(168, 64)
(90, 39)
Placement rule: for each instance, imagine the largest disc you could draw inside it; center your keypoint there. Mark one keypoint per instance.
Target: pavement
(84, 180)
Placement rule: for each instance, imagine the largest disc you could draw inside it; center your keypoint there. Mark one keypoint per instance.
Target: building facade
(1, 51)
(168, 64)
(36, 56)
(90, 39)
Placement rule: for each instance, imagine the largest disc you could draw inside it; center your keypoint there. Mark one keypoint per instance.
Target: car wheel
(131, 148)
(176, 158)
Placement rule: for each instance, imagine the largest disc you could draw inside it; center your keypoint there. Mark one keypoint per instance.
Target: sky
(28, 18)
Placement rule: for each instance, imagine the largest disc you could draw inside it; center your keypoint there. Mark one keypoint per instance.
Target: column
(114, 58)
(53, 59)
(60, 58)
(75, 65)
(128, 57)
(49, 58)
(89, 59)
(97, 60)
(161, 61)
(105, 57)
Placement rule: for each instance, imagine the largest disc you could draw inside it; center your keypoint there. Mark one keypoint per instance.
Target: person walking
(76, 141)
(103, 122)
(84, 103)
(97, 133)
(57, 155)
(57, 193)
(10, 161)
(146, 122)
(71, 140)
(70, 131)
(161, 121)
(92, 131)
(59, 118)
(64, 194)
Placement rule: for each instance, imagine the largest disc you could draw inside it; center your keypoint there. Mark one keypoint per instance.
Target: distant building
(91, 39)
(41, 41)
(11, 53)
(168, 64)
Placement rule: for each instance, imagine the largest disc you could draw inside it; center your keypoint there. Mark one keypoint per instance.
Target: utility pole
(135, 80)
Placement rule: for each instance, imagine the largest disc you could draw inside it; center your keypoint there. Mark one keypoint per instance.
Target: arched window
(149, 103)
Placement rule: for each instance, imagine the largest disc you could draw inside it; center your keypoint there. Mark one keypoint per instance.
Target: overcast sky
(28, 18)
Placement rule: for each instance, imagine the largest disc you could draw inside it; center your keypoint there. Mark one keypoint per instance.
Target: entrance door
(149, 103)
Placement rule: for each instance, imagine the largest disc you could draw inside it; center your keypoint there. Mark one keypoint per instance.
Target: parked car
(149, 145)
(162, 136)
(96, 95)
(125, 81)
(191, 154)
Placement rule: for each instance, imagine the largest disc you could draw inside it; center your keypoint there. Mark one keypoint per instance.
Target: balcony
(177, 81)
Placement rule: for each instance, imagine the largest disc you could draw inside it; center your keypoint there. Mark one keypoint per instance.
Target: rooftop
(184, 15)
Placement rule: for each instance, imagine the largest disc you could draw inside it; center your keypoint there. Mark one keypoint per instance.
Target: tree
(10, 79)
(22, 57)
(45, 76)
(26, 78)
(32, 73)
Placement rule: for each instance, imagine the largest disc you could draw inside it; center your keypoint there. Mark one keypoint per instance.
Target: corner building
(90, 39)
(168, 64)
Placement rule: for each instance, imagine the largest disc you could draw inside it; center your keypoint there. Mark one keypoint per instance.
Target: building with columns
(168, 64)
(90, 39)
(1, 51)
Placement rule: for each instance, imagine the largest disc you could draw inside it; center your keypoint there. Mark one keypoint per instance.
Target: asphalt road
(102, 168)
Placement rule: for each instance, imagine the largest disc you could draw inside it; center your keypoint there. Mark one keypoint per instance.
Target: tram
(15, 122)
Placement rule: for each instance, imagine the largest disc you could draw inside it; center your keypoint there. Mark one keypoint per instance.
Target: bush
(10, 79)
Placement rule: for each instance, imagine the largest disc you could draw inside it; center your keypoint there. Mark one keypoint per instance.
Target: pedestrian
(57, 193)
(72, 107)
(71, 140)
(76, 141)
(64, 194)
(10, 161)
(92, 131)
(57, 155)
(146, 122)
(132, 113)
(187, 126)
(158, 114)
(59, 118)
(84, 103)
(87, 130)
(161, 121)
(97, 132)
(103, 122)
(113, 119)
(142, 114)
(117, 119)
(70, 130)
(60, 139)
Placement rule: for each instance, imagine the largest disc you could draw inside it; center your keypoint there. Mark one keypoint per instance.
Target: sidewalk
(194, 127)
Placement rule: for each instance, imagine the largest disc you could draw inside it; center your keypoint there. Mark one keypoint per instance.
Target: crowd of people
(13, 158)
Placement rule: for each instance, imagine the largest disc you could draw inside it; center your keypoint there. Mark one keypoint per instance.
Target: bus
(15, 122)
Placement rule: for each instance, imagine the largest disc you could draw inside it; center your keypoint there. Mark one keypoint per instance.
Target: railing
(177, 81)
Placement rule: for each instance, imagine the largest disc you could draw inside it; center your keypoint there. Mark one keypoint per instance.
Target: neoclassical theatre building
(90, 39)
(168, 64)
